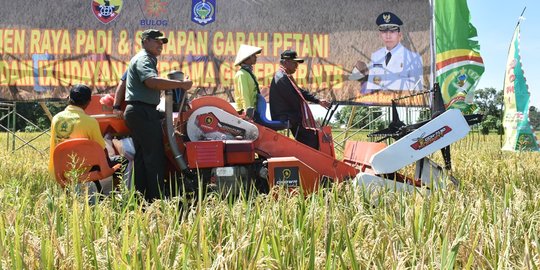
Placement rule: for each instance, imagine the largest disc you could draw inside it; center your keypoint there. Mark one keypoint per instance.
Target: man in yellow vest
(246, 86)
(73, 122)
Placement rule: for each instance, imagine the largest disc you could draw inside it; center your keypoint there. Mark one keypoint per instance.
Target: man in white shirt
(393, 67)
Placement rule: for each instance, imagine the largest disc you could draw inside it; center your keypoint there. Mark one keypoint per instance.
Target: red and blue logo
(203, 12)
(106, 11)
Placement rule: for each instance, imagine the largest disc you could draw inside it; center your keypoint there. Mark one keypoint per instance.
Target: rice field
(490, 221)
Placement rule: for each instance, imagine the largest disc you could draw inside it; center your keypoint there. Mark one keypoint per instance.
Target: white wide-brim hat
(245, 52)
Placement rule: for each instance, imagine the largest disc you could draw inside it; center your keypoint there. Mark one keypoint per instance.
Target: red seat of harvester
(79, 156)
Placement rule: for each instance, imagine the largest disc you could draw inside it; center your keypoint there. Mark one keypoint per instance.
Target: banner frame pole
(432, 41)
(46, 110)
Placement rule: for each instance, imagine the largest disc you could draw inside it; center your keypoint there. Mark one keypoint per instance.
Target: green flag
(519, 135)
(458, 61)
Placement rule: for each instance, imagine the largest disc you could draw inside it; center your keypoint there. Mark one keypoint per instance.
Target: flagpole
(432, 43)
(432, 51)
(521, 16)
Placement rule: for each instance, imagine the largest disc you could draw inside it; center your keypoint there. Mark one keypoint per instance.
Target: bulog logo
(155, 8)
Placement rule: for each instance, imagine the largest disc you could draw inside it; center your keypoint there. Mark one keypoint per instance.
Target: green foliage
(361, 117)
(489, 101)
(490, 104)
(491, 122)
(534, 118)
(425, 114)
(36, 119)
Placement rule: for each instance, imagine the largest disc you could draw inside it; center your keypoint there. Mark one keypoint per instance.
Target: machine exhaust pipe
(179, 159)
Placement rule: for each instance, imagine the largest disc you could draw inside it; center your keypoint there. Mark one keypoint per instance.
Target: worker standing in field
(246, 86)
(143, 88)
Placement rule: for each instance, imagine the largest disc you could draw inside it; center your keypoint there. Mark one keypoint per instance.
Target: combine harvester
(209, 139)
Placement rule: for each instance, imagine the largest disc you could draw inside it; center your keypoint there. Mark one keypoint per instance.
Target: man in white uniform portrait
(393, 67)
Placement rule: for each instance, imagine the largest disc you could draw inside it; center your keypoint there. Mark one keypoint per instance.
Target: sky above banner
(43, 53)
(495, 21)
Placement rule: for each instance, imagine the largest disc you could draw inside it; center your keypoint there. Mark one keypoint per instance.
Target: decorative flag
(458, 61)
(519, 135)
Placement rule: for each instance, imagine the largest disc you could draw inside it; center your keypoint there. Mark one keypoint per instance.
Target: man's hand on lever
(325, 103)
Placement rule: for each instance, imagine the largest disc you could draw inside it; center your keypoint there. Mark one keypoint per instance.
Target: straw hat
(245, 52)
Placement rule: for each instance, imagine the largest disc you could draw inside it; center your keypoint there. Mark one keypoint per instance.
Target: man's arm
(375, 69)
(147, 72)
(310, 97)
(119, 97)
(158, 83)
(120, 93)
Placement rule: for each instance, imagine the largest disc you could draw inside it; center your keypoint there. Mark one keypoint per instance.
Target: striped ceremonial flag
(458, 61)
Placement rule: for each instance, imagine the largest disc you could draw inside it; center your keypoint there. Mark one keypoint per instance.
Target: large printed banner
(45, 47)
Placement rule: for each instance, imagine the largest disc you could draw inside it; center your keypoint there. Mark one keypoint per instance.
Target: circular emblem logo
(377, 80)
(203, 12)
(106, 10)
(286, 173)
(208, 120)
(64, 128)
(458, 88)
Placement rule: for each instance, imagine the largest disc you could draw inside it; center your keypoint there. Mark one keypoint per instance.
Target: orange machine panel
(292, 173)
(359, 153)
(205, 154)
(326, 142)
(95, 107)
(108, 122)
(111, 124)
(272, 144)
(239, 152)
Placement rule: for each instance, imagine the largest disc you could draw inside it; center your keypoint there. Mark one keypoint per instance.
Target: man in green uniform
(143, 88)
